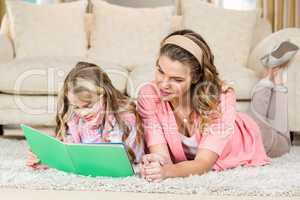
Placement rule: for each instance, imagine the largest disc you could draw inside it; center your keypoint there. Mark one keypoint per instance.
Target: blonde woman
(190, 121)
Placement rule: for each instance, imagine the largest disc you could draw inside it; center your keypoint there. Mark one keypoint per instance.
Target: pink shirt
(79, 132)
(235, 137)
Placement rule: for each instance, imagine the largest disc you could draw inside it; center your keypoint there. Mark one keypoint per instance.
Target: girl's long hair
(114, 101)
(206, 85)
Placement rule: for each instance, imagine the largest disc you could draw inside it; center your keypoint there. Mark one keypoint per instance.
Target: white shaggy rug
(281, 178)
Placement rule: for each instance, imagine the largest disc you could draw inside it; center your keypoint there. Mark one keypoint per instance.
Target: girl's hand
(34, 162)
(152, 167)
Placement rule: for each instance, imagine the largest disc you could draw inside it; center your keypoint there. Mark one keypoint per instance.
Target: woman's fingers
(153, 157)
(148, 158)
(145, 159)
(152, 165)
(151, 171)
(154, 178)
(142, 171)
(150, 168)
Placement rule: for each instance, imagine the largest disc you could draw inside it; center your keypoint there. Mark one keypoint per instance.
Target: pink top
(79, 132)
(235, 137)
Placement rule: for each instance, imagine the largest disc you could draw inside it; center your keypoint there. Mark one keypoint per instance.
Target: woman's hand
(34, 162)
(152, 167)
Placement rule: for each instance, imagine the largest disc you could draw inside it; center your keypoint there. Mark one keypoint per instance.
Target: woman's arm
(204, 161)
(163, 151)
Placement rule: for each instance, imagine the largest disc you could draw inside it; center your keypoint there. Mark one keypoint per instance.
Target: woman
(189, 115)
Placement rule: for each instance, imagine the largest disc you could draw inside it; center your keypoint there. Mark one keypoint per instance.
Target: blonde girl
(91, 110)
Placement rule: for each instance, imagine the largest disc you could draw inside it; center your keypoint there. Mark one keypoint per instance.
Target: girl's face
(172, 78)
(87, 105)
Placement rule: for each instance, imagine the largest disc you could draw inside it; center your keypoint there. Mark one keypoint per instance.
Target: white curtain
(236, 4)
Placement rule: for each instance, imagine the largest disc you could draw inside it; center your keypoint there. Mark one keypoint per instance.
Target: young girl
(92, 110)
(189, 115)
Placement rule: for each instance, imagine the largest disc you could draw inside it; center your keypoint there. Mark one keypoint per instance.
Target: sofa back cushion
(45, 75)
(229, 33)
(47, 30)
(128, 36)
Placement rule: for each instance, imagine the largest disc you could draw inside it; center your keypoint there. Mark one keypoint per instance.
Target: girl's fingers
(43, 167)
(32, 159)
(30, 162)
(31, 155)
(39, 167)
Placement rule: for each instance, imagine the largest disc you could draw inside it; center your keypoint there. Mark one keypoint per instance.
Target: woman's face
(172, 78)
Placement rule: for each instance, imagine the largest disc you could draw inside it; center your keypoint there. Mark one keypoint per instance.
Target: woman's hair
(206, 85)
(114, 101)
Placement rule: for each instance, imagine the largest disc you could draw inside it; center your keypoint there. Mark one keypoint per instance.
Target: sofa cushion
(137, 78)
(26, 109)
(228, 32)
(45, 75)
(48, 29)
(241, 79)
(28, 103)
(128, 36)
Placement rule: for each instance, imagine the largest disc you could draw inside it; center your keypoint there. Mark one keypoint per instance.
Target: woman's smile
(165, 93)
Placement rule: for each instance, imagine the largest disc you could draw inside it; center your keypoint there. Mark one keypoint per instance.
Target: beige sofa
(29, 85)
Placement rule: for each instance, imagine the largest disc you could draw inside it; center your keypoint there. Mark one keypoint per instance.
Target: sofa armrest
(267, 45)
(6, 49)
